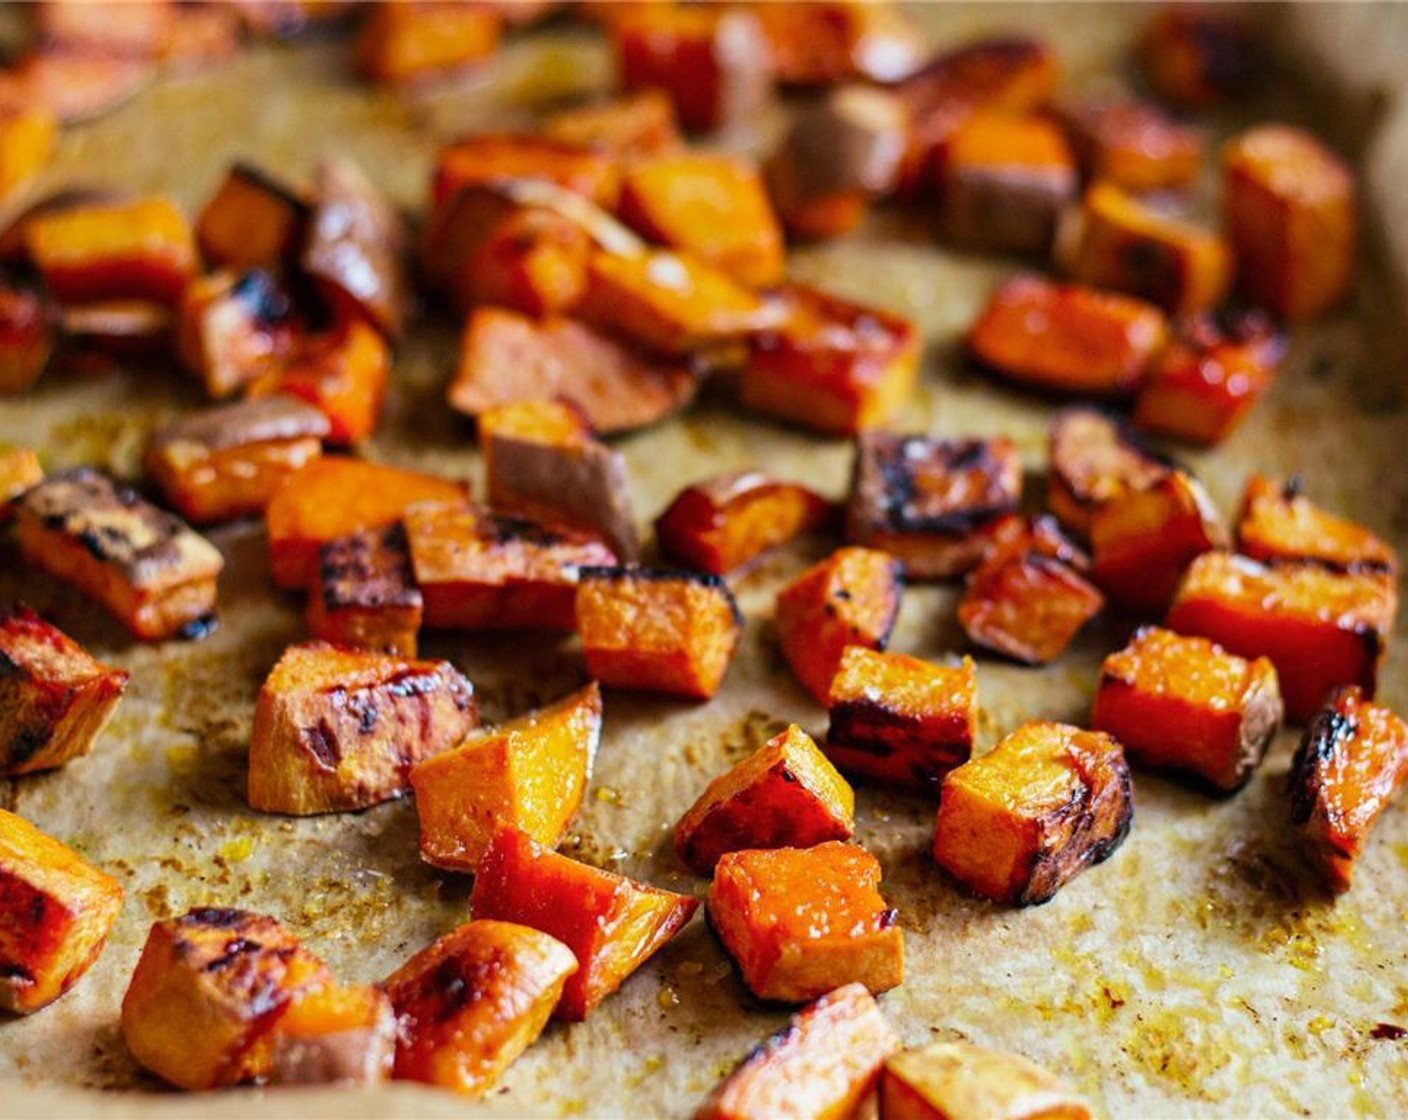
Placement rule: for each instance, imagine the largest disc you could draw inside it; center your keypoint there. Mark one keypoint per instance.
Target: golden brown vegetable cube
(784, 795)
(19, 470)
(960, 1081)
(632, 125)
(401, 43)
(149, 568)
(1020, 822)
(334, 1035)
(55, 913)
(819, 42)
(824, 1063)
(657, 630)
(253, 221)
(472, 1002)
(26, 338)
(366, 594)
(528, 774)
(339, 729)
(231, 329)
(1279, 523)
(1134, 144)
(1094, 458)
(489, 158)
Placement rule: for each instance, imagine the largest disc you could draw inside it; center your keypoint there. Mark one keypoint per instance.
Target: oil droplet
(237, 850)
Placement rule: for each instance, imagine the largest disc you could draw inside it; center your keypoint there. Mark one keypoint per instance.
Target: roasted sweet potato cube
(493, 157)
(1094, 458)
(726, 521)
(1319, 627)
(400, 43)
(227, 462)
(1066, 338)
(201, 39)
(73, 85)
(821, 42)
(26, 142)
(714, 62)
(542, 461)
(334, 1035)
(831, 365)
(138, 27)
(799, 922)
(146, 566)
(479, 570)
(26, 338)
(141, 249)
(1279, 523)
(1349, 766)
(630, 126)
(19, 470)
(506, 357)
(208, 992)
(824, 1063)
(528, 774)
(332, 497)
(472, 1002)
(1206, 380)
(1199, 55)
(55, 913)
(1027, 605)
(1289, 210)
(960, 1081)
(849, 599)
(657, 630)
(231, 329)
(338, 729)
(613, 925)
(783, 795)
(1133, 144)
(1125, 245)
(366, 594)
(343, 373)
(1144, 540)
(1020, 822)
(1006, 180)
(253, 221)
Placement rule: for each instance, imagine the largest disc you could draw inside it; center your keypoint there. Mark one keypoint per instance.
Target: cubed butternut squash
(365, 594)
(1201, 55)
(232, 329)
(402, 43)
(19, 470)
(26, 338)
(1094, 457)
(1278, 523)
(26, 143)
(343, 373)
(491, 157)
(253, 221)
(1133, 144)
(630, 126)
(960, 1081)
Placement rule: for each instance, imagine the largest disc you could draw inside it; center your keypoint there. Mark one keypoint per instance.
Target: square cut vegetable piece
(613, 925)
(332, 497)
(832, 366)
(343, 373)
(227, 462)
(728, 520)
(657, 630)
(339, 729)
(799, 922)
(56, 910)
(528, 774)
(1020, 822)
(334, 1035)
(492, 157)
(960, 1081)
(1067, 338)
(1320, 628)
(786, 794)
(19, 470)
(232, 328)
(472, 1002)
(366, 594)
(1288, 205)
(931, 502)
(633, 125)
(823, 1063)
(26, 143)
(1094, 457)
(1279, 524)
(27, 333)
(150, 569)
(850, 598)
(401, 43)
(253, 221)
(54, 698)
(1186, 704)
(1133, 144)
(1348, 769)
(829, 41)
(900, 720)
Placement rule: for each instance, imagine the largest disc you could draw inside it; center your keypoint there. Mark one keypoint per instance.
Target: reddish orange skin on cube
(26, 339)
(365, 594)
(343, 374)
(1279, 523)
(402, 42)
(1027, 604)
(485, 159)
(232, 330)
(1094, 457)
(1133, 144)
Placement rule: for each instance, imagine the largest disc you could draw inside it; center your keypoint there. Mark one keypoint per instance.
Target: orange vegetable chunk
(26, 338)
(819, 42)
(632, 125)
(253, 221)
(334, 1035)
(1133, 144)
(1094, 458)
(402, 42)
(26, 143)
(365, 594)
(19, 470)
(342, 373)
(959, 1081)
(1279, 523)
(232, 329)
(1201, 55)
(492, 157)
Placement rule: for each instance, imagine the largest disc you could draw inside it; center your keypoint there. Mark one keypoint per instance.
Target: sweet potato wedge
(253, 221)
(26, 143)
(1278, 523)
(232, 329)
(404, 43)
(1200, 55)
(821, 42)
(334, 1035)
(1094, 458)
(488, 158)
(366, 594)
(343, 373)
(19, 470)
(949, 1080)
(1133, 144)
(26, 338)
(633, 125)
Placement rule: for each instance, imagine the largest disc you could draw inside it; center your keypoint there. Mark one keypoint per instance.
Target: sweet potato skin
(1278, 523)
(1094, 458)
(343, 373)
(366, 594)
(1200, 55)
(19, 470)
(402, 43)
(952, 1079)
(334, 1035)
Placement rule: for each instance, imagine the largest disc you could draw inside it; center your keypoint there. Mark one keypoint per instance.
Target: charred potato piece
(55, 914)
(1133, 144)
(959, 1081)
(1279, 523)
(334, 1035)
(529, 774)
(824, 1063)
(821, 42)
(253, 221)
(343, 373)
(26, 338)
(339, 729)
(73, 85)
(19, 470)
(493, 157)
(366, 594)
(402, 43)
(1094, 458)
(26, 143)
(1020, 822)
(633, 125)
(613, 925)
(472, 1002)
(1200, 55)
(1320, 628)
(799, 922)
(232, 329)
(147, 567)
(786, 794)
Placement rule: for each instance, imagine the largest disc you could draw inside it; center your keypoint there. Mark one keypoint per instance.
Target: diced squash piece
(334, 1035)
(613, 925)
(851, 598)
(630, 126)
(1094, 458)
(657, 630)
(231, 329)
(55, 913)
(492, 157)
(472, 1002)
(400, 43)
(799, 922)
(19, 470)
(783, 795)
(1133, 144)
(1020, 822)
(1348, 769)
(960, 1081)
(366, 594)
(1289, 209)
(73, 85)
(726, 521)
(332, 497)
(822, 1065)
(820, 42)
(1320, 628)
(528, 774)
(1200, 55)
(1066, 338)
(253, 221)
(831, 365)
(343, 373)
(26, 338)
(26, 143)
(150, 569)
(13, 251)
(339, 729)
(227, 462)
(1279, 523)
